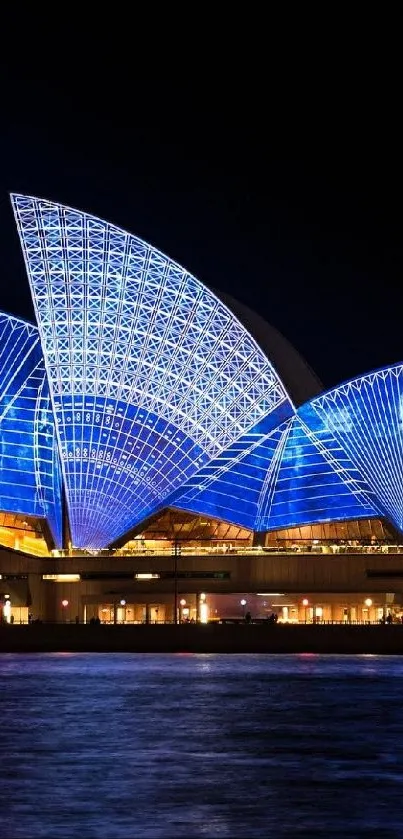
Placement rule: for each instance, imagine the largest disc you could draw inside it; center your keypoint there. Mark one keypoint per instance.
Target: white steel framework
(29, 462)
(151, 375)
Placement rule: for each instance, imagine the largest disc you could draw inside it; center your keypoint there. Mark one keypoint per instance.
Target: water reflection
(111, 746)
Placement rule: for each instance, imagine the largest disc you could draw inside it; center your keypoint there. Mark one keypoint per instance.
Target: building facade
(141, 393)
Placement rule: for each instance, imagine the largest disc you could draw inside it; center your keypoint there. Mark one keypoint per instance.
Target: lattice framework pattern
(151, 376)
(365, 417)
(30, 477)
(293, 475)
(341, 459)
(315, 482)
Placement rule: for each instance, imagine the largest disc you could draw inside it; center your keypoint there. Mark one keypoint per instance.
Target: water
(133, 746)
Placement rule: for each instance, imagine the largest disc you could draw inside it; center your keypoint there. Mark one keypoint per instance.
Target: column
(259, 539)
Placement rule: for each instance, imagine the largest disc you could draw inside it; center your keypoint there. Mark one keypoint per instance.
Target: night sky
(290, 204)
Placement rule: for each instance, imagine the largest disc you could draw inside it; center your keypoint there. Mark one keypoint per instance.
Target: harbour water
(98, 746)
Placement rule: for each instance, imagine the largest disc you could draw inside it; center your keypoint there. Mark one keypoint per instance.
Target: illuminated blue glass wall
(29, 464)
(151, 376)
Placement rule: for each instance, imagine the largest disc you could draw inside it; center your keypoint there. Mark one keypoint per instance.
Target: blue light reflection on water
(111, 746)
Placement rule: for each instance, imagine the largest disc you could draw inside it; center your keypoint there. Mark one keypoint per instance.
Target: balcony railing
(335, 549)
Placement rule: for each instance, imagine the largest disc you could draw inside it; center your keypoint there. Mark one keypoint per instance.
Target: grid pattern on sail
(315, 482)
(295, 474)
(136, 349)
(365, 417)
(29, 462)
(229, 487)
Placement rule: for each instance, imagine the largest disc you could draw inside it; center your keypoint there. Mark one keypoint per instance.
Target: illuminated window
(62, 578)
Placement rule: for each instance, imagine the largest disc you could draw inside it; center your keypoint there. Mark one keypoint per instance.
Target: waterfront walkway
(204, 638)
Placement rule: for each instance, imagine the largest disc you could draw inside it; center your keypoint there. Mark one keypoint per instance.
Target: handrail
(202, 550)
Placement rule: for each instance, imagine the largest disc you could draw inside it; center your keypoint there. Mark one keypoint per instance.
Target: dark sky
(290, 203)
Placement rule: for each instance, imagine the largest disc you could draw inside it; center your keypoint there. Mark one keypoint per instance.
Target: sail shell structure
(150, 373)
(30, 477)
(148, 391)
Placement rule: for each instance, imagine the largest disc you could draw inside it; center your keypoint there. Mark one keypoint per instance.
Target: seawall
(209, 638)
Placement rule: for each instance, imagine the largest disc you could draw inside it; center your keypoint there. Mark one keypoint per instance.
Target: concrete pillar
(259, 538)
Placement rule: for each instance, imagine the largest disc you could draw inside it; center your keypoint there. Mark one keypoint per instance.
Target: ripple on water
(111, 746)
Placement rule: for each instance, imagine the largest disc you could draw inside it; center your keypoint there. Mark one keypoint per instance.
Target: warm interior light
(204, 613)
(62, 578)
(147, 576)
(7, 611)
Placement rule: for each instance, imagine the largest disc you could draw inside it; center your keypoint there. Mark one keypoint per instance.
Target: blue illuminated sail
(365, 418)
(151, 376)
(30, 480)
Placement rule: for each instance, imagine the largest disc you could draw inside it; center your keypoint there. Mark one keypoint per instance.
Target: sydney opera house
(166, 454)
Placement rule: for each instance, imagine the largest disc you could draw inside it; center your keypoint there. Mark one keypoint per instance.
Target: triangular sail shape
(365, 417)
(151, 376)
(316, 482)
(30, 478)
(230, 487)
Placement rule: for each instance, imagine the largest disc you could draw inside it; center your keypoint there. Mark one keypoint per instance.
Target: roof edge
(297, 376)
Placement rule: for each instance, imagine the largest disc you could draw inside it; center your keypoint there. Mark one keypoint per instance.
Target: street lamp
(243, 604)
(65, 603)
(305, 603)
(182, 603)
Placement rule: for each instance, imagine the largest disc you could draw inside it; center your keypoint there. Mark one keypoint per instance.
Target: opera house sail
(29, 462)
(151, 376)
(142, 389)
